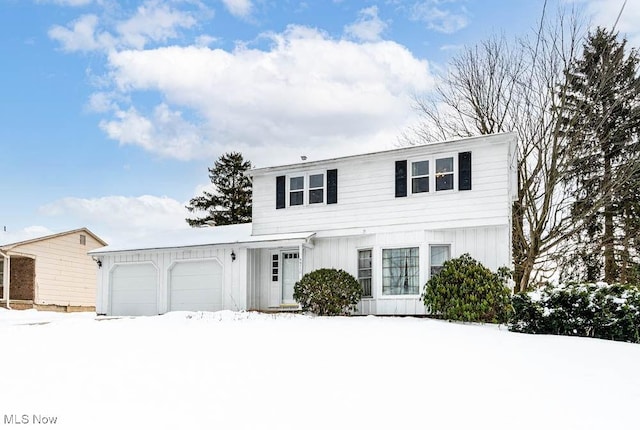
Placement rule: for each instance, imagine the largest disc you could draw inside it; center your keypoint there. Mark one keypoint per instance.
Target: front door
(289, 276)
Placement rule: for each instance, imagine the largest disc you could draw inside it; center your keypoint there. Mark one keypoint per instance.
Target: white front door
(289, 276)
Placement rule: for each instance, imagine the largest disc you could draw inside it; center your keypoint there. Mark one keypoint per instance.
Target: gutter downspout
(6, 274)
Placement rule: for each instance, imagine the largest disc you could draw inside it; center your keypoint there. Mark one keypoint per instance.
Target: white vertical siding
(234, 273)
(485, 244)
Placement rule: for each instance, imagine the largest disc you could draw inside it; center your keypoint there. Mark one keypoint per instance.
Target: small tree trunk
(610, 268)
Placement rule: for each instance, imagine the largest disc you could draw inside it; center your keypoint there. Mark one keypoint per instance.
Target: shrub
(328, 292)
(592, 310)
(465, 290)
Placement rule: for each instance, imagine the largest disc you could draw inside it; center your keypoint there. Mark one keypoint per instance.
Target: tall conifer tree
(230, 203)
(602, 133)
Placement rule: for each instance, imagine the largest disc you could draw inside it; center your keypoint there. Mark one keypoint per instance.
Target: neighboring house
(50, 273)
(389, 218)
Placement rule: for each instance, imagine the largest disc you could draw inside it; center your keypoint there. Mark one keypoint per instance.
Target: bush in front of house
(328, 292)
(465, 290)
(580, 309)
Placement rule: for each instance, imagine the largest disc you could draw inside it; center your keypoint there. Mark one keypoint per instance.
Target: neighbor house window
(296, 191)
(420, 177)
(439, 254)
(1, 272)
(400, 271)
(364, 271)
(83, 239)
(444, 174)
(316, 188)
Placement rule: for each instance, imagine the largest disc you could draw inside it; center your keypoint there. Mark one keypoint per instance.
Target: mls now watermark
(29, 419)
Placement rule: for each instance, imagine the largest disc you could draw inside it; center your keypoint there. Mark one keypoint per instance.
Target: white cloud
(81, 35)
(605, 13)
(155, 22)
(120, 217)
(439, 16)
(73, 3)
(101, 102)
(239, 8)
(368, 27)
(205, 40)
(308, 92)
(31, 232)
(165, 132)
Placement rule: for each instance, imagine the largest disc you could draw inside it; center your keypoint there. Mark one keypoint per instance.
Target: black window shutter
(332, 186)
(280, 192)
(401, 178)
(464, 171)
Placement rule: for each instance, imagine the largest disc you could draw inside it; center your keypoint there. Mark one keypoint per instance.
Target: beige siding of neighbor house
(65, 274)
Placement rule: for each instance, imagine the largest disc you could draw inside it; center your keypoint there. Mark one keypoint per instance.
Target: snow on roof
(188, 237)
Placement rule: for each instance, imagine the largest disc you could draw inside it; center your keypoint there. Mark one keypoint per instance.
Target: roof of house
(10, 245)
(238, 234)
(444, 143)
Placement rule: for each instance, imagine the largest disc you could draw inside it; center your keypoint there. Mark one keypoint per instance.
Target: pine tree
(602, 132)
(231, 202)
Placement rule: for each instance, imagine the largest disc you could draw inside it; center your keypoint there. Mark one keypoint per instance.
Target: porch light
(233, 256)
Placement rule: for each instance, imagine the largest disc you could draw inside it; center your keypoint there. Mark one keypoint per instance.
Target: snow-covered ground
(230, 370)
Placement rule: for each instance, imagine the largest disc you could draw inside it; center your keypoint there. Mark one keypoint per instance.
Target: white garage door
(196, 286)
(134, 290)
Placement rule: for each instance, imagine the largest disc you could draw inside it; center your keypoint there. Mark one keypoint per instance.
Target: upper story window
(83, 239)
(296, 190)
(444, 174)
(304, 189)
(316, 188)
(420, 177)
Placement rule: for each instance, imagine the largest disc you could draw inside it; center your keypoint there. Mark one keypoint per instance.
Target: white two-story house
(390, 218)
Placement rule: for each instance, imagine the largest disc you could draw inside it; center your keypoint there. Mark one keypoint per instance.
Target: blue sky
(111, 111)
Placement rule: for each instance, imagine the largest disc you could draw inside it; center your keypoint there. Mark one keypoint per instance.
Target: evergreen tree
(602, 132)
(231, 202)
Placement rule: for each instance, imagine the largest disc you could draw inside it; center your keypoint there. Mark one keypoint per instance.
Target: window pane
(444, 165)
(420, 168)
(316, 181)
(366, 287)
(364, 271)
(316, 196)
(420, 185)
(439, 254)
(444, 182)
(400, 271)
(296, 198)
(296, 183)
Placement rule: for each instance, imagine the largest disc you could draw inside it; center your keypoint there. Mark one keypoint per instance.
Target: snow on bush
(583, 309)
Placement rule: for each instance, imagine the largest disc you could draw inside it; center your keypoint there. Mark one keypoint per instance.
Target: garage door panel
(196, 286)
(134, 290)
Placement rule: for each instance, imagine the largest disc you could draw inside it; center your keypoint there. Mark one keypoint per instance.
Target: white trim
(431, 245)
(381, 271)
